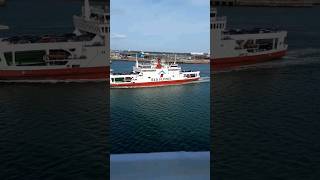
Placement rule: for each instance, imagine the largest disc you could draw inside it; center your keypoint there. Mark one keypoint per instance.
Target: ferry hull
(63, 74)
(233, 62)
(154, 84)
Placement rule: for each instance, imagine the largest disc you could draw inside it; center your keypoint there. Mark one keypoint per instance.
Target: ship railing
(189, 71)
(123, 73)
(222, 18)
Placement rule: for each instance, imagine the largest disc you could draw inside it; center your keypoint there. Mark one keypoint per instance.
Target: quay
(180, 58)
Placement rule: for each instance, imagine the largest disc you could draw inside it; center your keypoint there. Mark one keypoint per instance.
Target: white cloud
(118, 36)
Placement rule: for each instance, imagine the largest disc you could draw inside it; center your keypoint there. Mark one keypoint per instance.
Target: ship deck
(251, 31)
(26, 39)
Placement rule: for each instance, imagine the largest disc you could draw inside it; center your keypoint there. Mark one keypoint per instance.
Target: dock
(169, 57)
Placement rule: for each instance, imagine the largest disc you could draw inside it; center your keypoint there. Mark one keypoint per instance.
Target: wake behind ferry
(81, 55)
(153, 74)
(232, 48)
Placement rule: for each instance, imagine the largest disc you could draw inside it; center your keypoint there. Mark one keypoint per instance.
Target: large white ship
(238, 47)
(82, 55)
(156, 73)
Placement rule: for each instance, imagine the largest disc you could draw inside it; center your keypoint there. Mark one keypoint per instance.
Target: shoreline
(198, 61)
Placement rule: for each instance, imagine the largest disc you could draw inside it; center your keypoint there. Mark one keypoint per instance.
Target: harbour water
(165, 119)
(266, 117)
(51, 130)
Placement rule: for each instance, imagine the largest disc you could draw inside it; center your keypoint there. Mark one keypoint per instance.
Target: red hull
(228, 63)
(155, 84)
(89, 73)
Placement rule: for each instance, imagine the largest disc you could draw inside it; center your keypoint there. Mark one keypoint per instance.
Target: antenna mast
(87, 9)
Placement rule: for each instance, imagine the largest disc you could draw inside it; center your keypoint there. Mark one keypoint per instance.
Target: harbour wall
(275, 3)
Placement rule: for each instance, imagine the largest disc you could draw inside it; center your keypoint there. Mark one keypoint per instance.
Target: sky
(160, 25)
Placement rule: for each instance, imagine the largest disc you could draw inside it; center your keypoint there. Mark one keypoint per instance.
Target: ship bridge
(94, 19)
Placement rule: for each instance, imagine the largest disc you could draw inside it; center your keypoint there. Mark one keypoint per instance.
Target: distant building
(197, 53)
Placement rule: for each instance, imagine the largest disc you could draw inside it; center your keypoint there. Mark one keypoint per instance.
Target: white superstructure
(234, 47)
(73, 56)
(156, 73)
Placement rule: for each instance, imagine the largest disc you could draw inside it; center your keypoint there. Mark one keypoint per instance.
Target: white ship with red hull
(153, 74)
(82, 55)
(239, 47)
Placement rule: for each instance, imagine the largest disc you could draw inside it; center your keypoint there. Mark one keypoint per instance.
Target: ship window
(8, 56)
(127, 79)
(264, 44)
(58, 54)
(285, 40)
(119, 79)
(30, 57)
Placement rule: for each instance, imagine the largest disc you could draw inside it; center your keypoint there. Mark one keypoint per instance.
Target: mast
(87, 9)
(175, 58)
(105, 27)
(137, 64)
(3, 27)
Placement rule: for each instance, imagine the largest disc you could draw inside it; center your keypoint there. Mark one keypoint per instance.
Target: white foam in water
(293, 58)
(161, 166)
(201, 80)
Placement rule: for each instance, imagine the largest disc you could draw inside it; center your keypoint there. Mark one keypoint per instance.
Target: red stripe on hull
(89, 73)
(228, 63)
(155, 84)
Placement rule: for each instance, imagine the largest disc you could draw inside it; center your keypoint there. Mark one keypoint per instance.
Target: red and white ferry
(82, 55)
(234, 48)
(153, 74)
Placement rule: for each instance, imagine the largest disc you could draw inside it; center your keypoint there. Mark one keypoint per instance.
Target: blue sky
(160, 25)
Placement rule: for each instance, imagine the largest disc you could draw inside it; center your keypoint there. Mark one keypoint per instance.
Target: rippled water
(53, 131)
(172, 118)
(266, 117)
